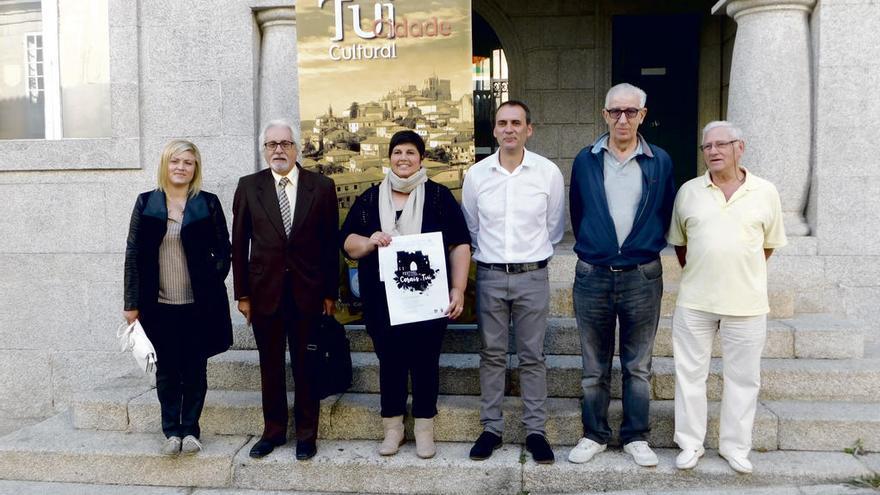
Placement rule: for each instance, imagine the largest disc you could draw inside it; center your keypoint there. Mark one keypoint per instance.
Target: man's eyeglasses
(721, 145)
(271, 145)
(629, 112)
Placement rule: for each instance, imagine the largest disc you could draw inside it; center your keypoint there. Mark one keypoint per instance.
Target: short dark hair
(407, 137)
(516, 103)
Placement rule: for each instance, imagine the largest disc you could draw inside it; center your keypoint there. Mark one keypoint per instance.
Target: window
(34, 64)
(54, 69)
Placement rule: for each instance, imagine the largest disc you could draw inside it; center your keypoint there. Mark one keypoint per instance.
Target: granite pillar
(770, 96)
(279, 84)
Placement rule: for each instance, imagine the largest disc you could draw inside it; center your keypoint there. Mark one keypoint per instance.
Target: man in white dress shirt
(514, 203)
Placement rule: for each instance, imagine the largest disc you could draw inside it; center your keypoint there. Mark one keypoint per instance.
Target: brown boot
(424, 433)
(394, 436)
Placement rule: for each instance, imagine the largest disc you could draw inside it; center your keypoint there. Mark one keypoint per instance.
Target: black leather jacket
(205, 239)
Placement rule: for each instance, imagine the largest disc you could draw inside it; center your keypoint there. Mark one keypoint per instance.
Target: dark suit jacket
(205, 241)
(261, 254)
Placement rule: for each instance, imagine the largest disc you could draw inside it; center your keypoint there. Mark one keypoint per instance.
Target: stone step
(354, 416)
(786, 425)
(51, 488)
(782, 379)
(804, 336)
(54, 451)
(720, 489)
(781, 300)
(827, 425)
(55, 488)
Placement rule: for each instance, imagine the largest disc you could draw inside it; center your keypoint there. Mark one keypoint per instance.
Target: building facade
(797, 75)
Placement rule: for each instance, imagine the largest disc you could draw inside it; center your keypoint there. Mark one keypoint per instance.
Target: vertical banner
(368, 69)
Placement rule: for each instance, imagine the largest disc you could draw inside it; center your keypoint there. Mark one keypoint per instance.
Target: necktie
(284, 204)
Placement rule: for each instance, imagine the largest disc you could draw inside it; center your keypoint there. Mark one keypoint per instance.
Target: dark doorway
(490, 83)
(660, 54)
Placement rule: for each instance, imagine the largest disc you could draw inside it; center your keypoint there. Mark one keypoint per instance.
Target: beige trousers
(742, 341)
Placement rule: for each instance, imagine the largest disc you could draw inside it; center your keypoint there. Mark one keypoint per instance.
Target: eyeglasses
(629, 112)
(721, 145)
(271, 145)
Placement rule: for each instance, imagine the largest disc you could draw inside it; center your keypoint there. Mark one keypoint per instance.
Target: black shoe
(540, 449)
(305, 450)
(265, 447)
(485, 445)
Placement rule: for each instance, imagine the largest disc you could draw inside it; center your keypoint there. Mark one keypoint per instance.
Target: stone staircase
(820, 395)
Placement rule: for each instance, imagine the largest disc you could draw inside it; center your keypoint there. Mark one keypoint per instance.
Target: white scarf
(410, 221)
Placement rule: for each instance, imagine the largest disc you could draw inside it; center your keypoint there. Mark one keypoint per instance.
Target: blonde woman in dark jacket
(176, 262)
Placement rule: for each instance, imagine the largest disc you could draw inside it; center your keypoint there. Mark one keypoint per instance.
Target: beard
(279, 166)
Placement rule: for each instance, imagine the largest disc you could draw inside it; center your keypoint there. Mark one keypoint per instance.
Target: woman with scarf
(406, 202)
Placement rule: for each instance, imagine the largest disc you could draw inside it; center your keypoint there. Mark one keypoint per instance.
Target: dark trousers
(181, 377)
(603, 298)
(410, 351)
(271, 333)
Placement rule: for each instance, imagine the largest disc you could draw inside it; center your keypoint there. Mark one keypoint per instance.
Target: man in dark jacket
(285, 265)
(621, 199)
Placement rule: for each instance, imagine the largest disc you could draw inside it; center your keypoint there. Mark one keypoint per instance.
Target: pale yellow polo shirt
(725, 272)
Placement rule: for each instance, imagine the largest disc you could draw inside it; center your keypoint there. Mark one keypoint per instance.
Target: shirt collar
(748, 184)
(291, 176)
(496, 162)
(643, 148)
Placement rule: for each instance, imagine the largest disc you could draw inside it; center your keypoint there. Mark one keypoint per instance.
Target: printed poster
(413, 268)
(368, 69)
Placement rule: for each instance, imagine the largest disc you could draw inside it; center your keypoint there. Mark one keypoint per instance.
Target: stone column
(770, 96)
(279, 83)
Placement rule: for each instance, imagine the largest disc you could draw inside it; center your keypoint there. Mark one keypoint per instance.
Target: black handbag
(330, 359)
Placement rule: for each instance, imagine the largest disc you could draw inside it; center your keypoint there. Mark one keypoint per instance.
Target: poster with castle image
(368, 69)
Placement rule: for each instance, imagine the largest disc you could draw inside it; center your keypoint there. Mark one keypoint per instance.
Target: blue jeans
(601, 298)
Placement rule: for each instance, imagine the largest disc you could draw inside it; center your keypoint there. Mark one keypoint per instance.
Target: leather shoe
(487, 443)
(305, 450)
(264, 447)
(539, 447)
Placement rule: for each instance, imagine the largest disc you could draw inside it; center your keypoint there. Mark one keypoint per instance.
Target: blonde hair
(175, 147)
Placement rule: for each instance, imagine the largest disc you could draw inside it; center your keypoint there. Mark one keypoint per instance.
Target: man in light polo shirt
(514, 205)
(725, 224)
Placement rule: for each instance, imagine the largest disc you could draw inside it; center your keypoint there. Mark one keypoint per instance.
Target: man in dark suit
(286, 271)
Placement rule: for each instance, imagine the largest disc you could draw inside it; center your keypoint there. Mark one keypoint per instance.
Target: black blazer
(261, 253)
(205, 241)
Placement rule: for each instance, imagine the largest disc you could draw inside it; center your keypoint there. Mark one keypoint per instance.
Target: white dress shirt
(514, 217)
(293, 177)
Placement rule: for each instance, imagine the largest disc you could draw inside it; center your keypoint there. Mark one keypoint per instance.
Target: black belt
(621, 268)
(513, 267)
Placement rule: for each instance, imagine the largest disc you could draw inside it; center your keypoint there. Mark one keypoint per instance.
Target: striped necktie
(284, 204)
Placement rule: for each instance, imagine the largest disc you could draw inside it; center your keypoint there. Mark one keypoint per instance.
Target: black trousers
(405, 352)
(272, 332)
(181, 376)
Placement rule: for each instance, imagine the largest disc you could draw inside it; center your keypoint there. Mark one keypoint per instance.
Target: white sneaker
(584, 451)
(170, 447)
(642, 453)
(739, 464)
(190, 445)
(687, 458)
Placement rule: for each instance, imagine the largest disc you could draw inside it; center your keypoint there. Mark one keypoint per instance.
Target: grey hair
(735, 131)
(278, 123)
(626, 88)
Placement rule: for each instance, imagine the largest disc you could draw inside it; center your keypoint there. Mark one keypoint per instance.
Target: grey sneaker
(171, 446)
(191, 445)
